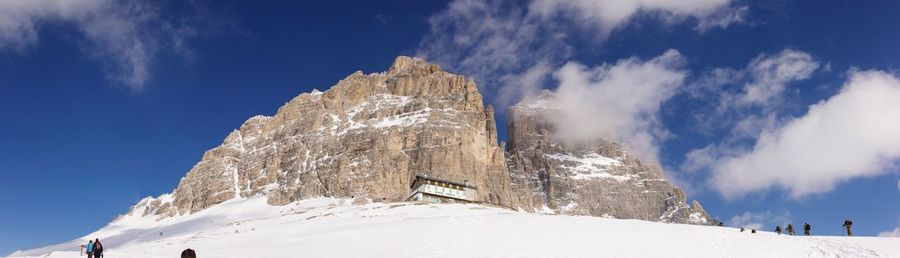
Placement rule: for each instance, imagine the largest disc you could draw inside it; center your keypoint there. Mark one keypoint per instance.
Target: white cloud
(761, 86)
(606, 16)
(499, 42)
(760, 220)
(894, 233)
(495, 42)
(518, 85)
(511, 50)
(771, 74)
(124, 35)
(722, 19)
(750, 109)
(752, 125)
(618, 102)
(764, 81)
(712, 81)
(853, 134)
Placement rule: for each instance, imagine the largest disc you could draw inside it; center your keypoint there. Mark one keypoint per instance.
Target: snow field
(326, 227)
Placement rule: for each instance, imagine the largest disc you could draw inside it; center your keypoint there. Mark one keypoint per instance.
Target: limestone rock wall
(368, 135)
(596, 178)
(371, 134)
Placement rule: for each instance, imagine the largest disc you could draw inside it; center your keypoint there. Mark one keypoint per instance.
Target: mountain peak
(413, 65)
(370, 135)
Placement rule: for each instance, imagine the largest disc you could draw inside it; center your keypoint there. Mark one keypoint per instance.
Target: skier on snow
(778, 229)
(790, 229)
(806, 229)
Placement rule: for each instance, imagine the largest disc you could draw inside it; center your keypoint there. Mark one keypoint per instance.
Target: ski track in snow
(326, 227)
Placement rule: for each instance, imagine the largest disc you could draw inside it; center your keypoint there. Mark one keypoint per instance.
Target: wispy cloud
(606, 16)
(617, 101)
(384, 19)
(723, 18)
(762, 84)
(750, 108)
(850, 135)
(125, 36)
(513, 51)
(498, 42)
(770, 76)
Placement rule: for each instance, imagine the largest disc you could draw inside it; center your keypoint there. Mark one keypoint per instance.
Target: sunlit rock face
(597, 177)
(367, 136)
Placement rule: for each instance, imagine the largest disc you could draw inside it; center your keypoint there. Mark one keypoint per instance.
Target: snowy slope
(324, 227)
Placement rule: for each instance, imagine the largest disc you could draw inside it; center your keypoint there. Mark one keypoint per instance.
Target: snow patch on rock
(590, 166)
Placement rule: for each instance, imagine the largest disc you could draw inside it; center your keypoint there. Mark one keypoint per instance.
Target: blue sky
(102, 107)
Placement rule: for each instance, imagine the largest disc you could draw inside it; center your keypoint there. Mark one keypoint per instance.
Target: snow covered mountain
(369, 136)
(328, 227)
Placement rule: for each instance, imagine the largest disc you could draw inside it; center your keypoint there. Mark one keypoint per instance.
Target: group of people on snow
(790, 229)
(94, 248)
(806, 228)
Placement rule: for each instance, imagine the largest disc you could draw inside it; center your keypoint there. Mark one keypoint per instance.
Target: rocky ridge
(596, 178)
(370, 134)
(367, 136)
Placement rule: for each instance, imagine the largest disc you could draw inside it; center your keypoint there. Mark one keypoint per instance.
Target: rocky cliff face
(371, 134)
(596, 178)
(367, 136)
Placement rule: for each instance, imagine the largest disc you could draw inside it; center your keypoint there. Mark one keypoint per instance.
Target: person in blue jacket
(90, 249)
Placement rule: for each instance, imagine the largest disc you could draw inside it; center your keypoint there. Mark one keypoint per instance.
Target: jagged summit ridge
(412, 66)
(369, 135)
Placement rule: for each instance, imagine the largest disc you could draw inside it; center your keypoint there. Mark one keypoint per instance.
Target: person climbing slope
(790, 229)
(848, 224)
(806, 229)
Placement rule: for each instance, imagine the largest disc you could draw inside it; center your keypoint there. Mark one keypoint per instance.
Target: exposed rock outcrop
(368, 135)
(597, 178)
